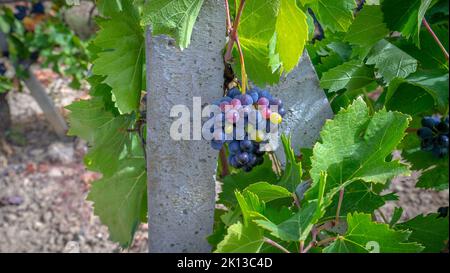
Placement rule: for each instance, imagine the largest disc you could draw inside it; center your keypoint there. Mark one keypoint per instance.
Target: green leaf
(294, 229)
(292, 175)
(434, 171)
(241, 239)
(267, 192)
(108, 7)
(333, 15)
(122, 58)
(359, 197)
(5, 84)
(241, 180)
(350, 75)
(430, 231)
(121, 200)
(298, 227)
(396, 215)
(413, 94)
(257, 29)
(391, 61)
(292, 34)
(108, 143)
(354, 146)
(405, 16)
(430, 55)
(408, 98)
(368, 27)
(250, 205)
(88, 116)
(362, 233)
(172, 17)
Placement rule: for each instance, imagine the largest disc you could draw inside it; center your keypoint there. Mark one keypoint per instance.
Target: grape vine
(383, 66)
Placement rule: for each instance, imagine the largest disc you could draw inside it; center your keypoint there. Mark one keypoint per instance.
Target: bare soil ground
(43, 186)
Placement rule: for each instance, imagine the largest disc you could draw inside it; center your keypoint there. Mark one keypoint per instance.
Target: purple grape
(234, 92)
(276, 102)
(263, 101)
(246, 145)
(234, 147)
(216, 145)
(246, 99)
(430, 122)
(266, 94)
(442, 141)
(442, 127)
(254, 95)
(242, 158)
(425, 132)
(251, 160)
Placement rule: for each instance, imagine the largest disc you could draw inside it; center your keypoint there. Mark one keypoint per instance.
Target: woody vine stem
(233, 38)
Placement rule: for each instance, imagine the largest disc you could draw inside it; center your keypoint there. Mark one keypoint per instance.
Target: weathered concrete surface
(306, 105)
(181, 187)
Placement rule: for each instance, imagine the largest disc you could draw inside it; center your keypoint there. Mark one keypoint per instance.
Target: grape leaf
(429, 230)
(292, 175)
(328, 62)
(108, 7)
(108, 143)
(174, 17)
(298, 227)
(362, 234)
(391, 61)
(426, 84)
(121, 61)
(368, 27)
(292, 34)
(251, 206)
(294, 229)
(434, 170)
(86, 117)
(333, 15)
(121, 200)
(350, 75)
(359, 197)
(430, 54)
(241, 180)
(256, 32)
(241, 239)
(267, 192)
(407, 98)
(354, 146)
(396, 215)
(405, 16)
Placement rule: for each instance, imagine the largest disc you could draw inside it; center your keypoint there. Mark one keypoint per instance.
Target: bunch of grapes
(2, 69)
(244, 122)
(38, 8)
(434, 135)
(21, 12)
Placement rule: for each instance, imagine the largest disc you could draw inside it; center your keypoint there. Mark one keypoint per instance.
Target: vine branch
(233, 38)
(435, 37)
(338, 211)
(276, 245)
